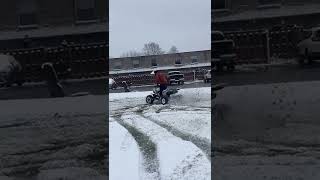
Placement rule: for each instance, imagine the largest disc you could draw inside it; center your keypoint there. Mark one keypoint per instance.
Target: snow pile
(6, 63)
(111, 81)
(193, 97)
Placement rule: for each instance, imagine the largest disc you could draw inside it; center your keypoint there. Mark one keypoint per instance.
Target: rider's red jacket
(161, 79)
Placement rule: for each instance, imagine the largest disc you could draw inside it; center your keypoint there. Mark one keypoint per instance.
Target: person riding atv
(161, 80)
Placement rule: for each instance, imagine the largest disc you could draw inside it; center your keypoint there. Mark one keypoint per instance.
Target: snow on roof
(166, 54)
(217, 32)
(283, 11)
(54, 31)
(174, 72)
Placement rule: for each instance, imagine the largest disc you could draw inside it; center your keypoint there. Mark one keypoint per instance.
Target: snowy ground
(160, 141)
(53, 139)
(267, 132)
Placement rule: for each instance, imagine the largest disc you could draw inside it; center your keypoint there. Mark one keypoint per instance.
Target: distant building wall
(48, 12)
(312, 21)
(236, 7)
(178, 59)
(25, 17)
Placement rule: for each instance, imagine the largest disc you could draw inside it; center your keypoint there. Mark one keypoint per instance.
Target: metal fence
(85, 60)
(250, 46)
(283, 43)
(148, 79)
(259, 46)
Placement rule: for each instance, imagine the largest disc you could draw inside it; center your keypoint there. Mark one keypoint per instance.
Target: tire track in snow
(189, 161)
(147, 147)
(201, 143)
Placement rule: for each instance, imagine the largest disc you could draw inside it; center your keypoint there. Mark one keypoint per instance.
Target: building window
(85, 10)
(136, 63)
(219, 4)
(154, 62)
(178, 62)
(118, 65)
(27, 12)
(194, 59)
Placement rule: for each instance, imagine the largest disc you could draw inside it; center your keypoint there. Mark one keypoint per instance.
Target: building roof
(54, 31)
(282, 11)
(166, 54)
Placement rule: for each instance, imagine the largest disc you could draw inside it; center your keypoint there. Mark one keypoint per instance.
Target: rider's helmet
(154, 72)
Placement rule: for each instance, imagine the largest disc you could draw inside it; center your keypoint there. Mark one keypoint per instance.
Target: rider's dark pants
(162, 88)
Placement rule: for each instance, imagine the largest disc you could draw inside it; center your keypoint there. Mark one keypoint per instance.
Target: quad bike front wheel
(149, 99)
(164, 100)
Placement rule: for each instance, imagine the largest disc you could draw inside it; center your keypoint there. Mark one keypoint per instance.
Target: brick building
(233, 15)
(35, 23)
(167, 60)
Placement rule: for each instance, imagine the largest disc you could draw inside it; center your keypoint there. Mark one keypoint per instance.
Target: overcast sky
(183, 23)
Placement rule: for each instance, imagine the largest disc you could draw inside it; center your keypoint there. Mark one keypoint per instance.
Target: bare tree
(173, 50)
(152, 48)
(131, 54)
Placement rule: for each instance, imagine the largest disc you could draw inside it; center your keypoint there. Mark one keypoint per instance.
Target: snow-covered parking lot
(267, 132)
(160, 141)
(51, 139)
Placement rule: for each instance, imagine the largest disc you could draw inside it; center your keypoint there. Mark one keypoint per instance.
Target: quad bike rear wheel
(149, 99)
(164, 100)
